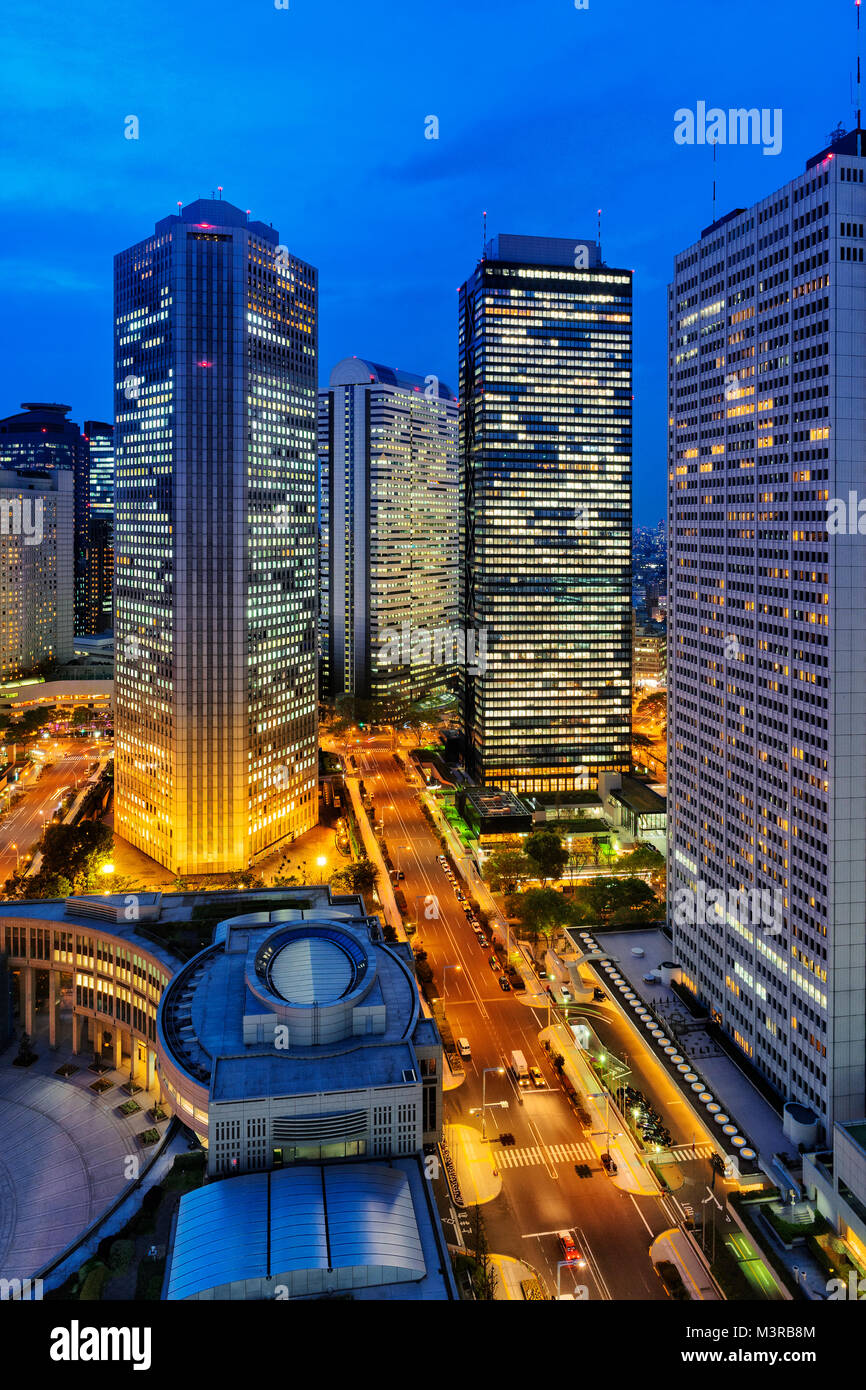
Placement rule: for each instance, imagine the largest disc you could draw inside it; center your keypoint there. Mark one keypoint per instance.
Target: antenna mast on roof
(484, 236)
(857, 8)
(600, 257)
(715, 143)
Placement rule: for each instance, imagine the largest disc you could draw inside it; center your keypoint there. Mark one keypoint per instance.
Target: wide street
(551, 1177)
(70, 760)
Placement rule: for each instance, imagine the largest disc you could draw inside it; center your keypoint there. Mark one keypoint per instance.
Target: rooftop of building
(491, 802)
(364, 1226)
(359, 371)
(210, 214)
(40, 417)
(514, 249)
(639, 796)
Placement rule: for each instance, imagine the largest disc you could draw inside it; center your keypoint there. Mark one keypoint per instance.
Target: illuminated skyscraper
(36, 545)
(100, 559)
(545, 441)
(42, 438)
(766, 631)
(388, 455)
(215, 541)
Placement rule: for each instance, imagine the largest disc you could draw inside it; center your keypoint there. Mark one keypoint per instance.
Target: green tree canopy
(360, 877)
(506, 868)
(542, 912)
(546, 852)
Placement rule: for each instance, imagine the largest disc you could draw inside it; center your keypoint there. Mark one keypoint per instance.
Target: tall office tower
(43, 438)
(215, 541)
(545, 440)
(767, 628)
(36, 565)
(388, 447)
(323, 530)
(100, 566)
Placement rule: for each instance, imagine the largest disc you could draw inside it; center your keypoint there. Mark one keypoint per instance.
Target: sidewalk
(631, 1175)
(675, 1247)
(509, 1274)
(383, 887)
(476, 1173)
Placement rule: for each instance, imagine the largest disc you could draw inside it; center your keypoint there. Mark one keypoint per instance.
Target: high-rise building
(36, 543)
(215, 541)
(388, 455)
(42, 438)
(545, 440)
(100, 564)
(767, 629)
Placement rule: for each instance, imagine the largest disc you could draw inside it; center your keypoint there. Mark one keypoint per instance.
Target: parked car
(494, 964)
(503, 984)
(608, 1164)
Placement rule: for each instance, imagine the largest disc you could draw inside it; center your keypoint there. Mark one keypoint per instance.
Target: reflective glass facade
(545, 441)
(215, 541)
(388, 454)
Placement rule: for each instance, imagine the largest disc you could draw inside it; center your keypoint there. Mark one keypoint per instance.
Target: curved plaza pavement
(63, 1157)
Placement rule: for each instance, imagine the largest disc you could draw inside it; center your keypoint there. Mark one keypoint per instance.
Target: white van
(463, 1047)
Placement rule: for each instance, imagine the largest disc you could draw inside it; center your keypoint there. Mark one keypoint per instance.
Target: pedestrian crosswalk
(691, 1151)
(579, 1153)
(561, 1153)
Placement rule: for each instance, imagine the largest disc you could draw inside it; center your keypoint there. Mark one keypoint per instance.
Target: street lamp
(17, 857)
(500, 1071)
(321, 861)
(716, 1204)
(446, 968)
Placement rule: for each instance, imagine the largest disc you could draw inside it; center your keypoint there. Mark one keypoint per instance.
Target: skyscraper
(388, 455)
(545, 440)
(42, 438)
(100, 560)
(35, 571)
(767, 633)
(215, 540)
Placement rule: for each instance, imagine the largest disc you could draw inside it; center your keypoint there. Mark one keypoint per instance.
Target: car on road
(570, 1251)
(608, 1164)
(463, 1047)
(536, 1077)
(494, 964)
(441, 859)
(599, 996)
(503, 984)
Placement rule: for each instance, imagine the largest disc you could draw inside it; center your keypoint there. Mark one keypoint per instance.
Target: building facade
(100, 562)
(766, 636)
(388, 458)
(43, 439)
(297, 1036)
(215, 541)
(545, 445)
(36, 571)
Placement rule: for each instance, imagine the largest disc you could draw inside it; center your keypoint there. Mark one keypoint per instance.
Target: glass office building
(388, 455)
(215, 541)
(100, 563)
(42, 438)
(545, 443)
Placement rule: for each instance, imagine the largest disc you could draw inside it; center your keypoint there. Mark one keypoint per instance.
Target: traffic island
(517, 1280)
(477, 1175)
(674, 1248)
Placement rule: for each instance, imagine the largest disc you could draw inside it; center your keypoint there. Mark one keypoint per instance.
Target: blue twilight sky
(313, 117)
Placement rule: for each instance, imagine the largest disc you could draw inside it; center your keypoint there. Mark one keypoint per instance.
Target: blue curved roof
(338, 1217)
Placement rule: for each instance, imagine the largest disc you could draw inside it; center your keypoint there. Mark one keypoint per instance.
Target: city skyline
(597, 133)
